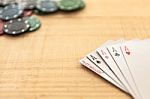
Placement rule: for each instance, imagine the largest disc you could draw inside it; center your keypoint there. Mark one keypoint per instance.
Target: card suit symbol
(127, 50)
(116, 54)
(99, 62)
(128, 53)
(106, 57)
(114, 50)
(103, 53)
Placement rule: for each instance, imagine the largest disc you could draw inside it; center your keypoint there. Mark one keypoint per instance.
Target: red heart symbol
(128, 53)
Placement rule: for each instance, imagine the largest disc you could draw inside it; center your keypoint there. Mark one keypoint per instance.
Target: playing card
(124, 64)
(87, 63)
(137, 57)
(104, 53)
(118, 57)
(99, 63)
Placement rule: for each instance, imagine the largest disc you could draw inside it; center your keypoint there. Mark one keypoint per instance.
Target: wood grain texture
(45, 64)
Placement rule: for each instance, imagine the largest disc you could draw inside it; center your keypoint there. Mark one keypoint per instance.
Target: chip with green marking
(34, 23)
(82, 5)
(69, 5)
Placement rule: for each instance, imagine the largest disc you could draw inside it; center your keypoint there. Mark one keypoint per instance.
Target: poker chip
(1, 8)
(1, 27)
(1, 4)
(47, 6)
(40, 12)
(16, 15)
(16, 26)
(10, 12)
(70, 5)
(7, 2)
(82, 5)
(34, 23)
(27, 13)
(30, 4)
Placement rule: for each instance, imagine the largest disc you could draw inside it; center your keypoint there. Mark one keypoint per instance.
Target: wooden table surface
(45, 64)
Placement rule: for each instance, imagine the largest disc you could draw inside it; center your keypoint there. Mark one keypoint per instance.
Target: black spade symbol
(98, 61)
(116, 54)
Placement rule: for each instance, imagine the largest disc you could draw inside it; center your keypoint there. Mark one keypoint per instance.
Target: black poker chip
(11, 11)
(47, 6)
(16, 26)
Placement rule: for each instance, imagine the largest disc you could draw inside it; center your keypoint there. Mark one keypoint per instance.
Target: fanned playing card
(123, 63)
(137, 56)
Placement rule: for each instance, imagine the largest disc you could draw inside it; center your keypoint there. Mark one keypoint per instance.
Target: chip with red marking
(1, 27)
(27, 13)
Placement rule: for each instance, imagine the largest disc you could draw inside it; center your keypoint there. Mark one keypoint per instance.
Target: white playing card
(98, 61)
(104, 53)
(137, 56)
(95, 59)
(87, 63)
(118, 57)
(123, 63)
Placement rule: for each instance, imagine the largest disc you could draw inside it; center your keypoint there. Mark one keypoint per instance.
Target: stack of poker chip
(16, 17)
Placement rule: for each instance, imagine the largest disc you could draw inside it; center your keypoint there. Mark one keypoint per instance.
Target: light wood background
(45, 64)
